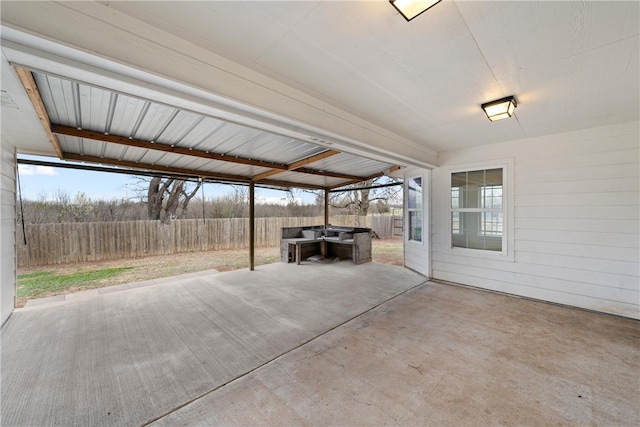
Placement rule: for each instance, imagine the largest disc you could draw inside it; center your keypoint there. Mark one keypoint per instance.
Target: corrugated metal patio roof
(97, 125)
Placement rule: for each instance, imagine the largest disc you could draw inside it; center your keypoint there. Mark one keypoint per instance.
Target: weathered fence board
(100, 241)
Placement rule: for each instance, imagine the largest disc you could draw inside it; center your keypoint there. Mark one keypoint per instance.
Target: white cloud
(36, 170)
(283, 201)
(45, 170)
(26, 170)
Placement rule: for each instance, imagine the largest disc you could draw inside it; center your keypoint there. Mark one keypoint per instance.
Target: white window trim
(508, 238)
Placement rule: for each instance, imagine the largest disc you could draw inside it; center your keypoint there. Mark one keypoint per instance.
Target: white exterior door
(417, 241)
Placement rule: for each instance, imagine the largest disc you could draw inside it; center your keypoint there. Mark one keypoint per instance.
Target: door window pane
(415, 193)
(415, 226)
(414, 208)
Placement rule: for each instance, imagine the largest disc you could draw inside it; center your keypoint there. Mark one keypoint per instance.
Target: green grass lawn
(38, 282)
(42, 283)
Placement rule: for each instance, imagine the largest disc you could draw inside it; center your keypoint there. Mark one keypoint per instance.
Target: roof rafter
(376, 175)
(167, 148)
(299, 166)
(29, 84)
(312, 159)
(329, 174)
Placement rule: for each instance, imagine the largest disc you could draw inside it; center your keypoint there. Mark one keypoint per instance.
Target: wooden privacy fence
(100, 241)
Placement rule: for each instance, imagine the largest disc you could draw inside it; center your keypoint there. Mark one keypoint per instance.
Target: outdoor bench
(298, 243)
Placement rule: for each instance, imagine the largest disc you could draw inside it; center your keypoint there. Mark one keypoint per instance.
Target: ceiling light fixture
(500, 108)
(409, 9)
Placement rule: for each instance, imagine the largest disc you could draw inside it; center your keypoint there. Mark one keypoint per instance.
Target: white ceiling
(571, 65)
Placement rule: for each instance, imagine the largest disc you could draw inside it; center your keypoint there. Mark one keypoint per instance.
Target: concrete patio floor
(316, 344)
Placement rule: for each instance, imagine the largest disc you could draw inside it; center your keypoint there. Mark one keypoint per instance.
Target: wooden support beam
(312, 159)
(148, 145)
(272, 172)
(252, 225)
(329, 174)
(308, 171)
(266, 174)
(299, 164)
(375, 175)
(29, 84)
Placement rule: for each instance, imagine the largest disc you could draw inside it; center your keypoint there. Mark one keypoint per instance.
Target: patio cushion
(310, 234)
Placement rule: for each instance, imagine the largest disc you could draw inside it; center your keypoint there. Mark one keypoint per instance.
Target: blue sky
(39, 182)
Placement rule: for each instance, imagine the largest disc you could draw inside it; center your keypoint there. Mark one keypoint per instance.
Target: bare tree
(232, 205)
(240, 201)
(118, 210)
(165, 196)
(359, 201)
(36, 211)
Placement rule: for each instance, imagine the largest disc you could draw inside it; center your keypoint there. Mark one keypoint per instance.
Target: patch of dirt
(388, 251)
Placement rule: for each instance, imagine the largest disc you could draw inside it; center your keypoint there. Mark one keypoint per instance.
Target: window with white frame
(456, 226)
(477, 209)
(414, 208)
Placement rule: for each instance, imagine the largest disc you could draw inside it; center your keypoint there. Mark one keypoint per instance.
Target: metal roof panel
(202, 133)
(101, 111)
(180, 126)
(94, 107)
(153, 121)
(126, 113)
(56, 95)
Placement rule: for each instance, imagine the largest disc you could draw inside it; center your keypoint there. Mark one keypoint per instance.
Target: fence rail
(101, 241)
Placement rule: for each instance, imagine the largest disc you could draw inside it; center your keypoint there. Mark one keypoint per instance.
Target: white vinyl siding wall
(576, 220)
(7, 230)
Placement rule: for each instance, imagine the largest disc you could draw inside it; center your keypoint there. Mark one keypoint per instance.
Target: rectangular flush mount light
(500, 109)
(409, 9)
